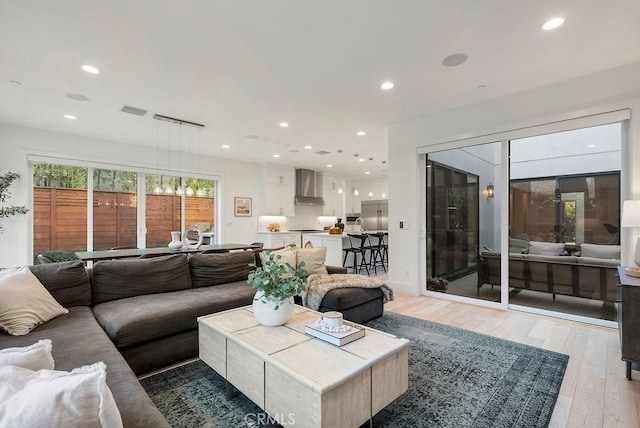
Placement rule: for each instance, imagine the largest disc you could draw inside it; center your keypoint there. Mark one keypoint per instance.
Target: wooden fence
(60, 218)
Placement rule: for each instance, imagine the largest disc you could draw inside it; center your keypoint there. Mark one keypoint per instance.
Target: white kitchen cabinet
(333, 201)
(279, 191)
(332, 242)
(279, 239)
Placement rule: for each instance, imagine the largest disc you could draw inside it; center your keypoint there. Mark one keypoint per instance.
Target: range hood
(308, 187)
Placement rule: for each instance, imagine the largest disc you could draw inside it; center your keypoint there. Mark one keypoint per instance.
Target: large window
(62, 207)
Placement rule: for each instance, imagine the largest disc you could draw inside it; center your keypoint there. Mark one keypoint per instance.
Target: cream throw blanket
(320, 284)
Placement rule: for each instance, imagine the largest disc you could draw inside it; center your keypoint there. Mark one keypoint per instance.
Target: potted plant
(276, 283)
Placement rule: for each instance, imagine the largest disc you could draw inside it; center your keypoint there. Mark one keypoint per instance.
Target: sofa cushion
(551, 259)
(220, 268)
(598, 262)
(600, 251)
(67, 282)
(57, 398)
(546, 248)
(348, 297)
(518, 245)
(143, 318)
(25, 303)
(32, 357)
(313, 258)
(78, 340)
(119, 279)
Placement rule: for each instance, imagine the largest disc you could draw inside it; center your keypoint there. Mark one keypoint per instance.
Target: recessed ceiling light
(454, 60)
(70, 116)
(386, 86)
(361, 133)
(225, 146)
(77, 97)
(329, 166)
(307, 147)
(367, 172)
(553, 23)
(591, 145)
(284, 125)
(90, 69)
(361, 160)
(276, 155)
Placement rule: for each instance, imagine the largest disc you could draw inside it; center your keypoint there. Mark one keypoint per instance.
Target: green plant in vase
(276, 284)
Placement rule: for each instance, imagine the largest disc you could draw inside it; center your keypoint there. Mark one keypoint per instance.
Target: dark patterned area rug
(457, 378)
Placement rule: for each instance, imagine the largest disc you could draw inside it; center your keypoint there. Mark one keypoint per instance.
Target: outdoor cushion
(220, 268)
(119, 279)
(67, 282)
(546, 248)
(600, 251)
(144, 318)
(598, 262)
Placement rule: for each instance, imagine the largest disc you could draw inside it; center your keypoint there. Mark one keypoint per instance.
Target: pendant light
(189, 190)
(340, 172)
(158, 187)
(169, 189)
(355, 189)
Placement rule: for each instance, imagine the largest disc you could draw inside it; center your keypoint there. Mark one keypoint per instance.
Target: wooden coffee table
(298, 379)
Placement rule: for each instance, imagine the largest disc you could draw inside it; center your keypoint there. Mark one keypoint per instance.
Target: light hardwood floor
(594, 393)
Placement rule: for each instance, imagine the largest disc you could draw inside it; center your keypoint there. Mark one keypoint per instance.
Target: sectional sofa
(140, 315)
(549, 267)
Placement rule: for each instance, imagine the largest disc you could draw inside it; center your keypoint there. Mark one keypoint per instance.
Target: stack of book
(338, 339)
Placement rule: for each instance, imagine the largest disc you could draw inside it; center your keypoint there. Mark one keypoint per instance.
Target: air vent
(134, 110)
(322, 152)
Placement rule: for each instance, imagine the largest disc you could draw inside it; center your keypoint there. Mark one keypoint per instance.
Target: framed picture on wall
(242, 207)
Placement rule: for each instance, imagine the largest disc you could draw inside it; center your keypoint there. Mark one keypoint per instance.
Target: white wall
(607, 91)
(16, 143)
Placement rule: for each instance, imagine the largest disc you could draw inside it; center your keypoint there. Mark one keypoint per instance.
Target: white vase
(175, 243)
(266, 314)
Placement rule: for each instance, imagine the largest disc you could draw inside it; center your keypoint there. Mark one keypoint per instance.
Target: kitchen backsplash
(307, 217)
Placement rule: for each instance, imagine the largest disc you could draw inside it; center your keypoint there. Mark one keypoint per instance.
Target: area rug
(457, 378)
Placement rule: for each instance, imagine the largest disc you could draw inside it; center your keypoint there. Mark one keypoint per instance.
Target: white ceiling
(242, 67)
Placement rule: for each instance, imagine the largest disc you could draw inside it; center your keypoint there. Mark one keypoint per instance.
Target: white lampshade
(631, 218)
(631, 213)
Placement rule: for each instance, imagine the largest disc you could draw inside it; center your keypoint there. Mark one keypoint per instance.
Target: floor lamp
(631, 218)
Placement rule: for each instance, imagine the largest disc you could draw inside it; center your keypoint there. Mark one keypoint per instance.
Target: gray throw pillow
(596, 251)
(546, 248)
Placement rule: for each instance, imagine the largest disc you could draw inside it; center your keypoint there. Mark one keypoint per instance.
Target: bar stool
(360, 248)
(376, 257)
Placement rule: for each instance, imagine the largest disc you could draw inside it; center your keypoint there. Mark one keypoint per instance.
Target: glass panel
(565, 214)
(59, 211)
(163, 214)
(114, 209)
(199, 204)
(461, 220)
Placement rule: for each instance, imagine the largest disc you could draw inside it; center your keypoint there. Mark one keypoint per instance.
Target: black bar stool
(360, 248)
(376, 257)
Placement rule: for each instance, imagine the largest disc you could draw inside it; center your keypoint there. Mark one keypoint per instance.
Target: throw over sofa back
(118, 279)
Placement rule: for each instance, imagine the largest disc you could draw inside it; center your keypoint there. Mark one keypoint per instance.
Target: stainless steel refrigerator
(375, 215)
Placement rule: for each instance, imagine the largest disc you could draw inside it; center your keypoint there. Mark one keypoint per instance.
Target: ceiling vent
(134, 110)
(322, 152)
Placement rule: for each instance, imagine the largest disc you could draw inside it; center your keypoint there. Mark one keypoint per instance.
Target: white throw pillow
(49, 398)
(314, 260)
(33, 357)
(546, 248)
(25, 303)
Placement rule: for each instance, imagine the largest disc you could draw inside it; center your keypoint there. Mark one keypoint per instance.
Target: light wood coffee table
(300, 380)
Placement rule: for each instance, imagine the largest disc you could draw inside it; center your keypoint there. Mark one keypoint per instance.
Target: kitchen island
(335, 244)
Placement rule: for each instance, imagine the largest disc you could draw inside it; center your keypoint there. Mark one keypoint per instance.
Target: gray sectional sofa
(137, 316)
(589, 272)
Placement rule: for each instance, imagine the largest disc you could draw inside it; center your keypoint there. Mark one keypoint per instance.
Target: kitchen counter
(335, 244)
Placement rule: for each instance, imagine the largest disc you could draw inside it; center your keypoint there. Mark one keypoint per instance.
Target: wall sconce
(490, 191)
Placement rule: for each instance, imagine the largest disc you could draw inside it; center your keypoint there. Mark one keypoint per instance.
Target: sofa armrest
(336, 269)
